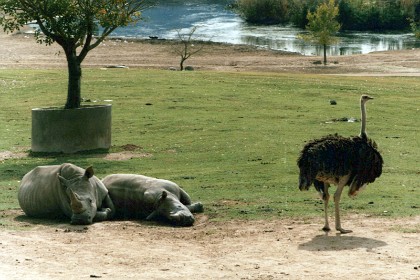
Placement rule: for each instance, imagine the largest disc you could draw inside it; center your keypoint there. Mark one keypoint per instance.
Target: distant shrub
(379, 15)
(415, 27)
(263, 11)
(299, 10)
(354, 14)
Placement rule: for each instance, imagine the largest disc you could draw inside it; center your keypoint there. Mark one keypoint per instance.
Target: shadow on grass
(95, 152)
(340, 242)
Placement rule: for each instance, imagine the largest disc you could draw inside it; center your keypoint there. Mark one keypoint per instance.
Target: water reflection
(285, 38)
(218, 24)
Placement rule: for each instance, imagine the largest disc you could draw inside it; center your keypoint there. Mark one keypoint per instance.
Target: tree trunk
(325, 54)
(74, 82)
(181, 64)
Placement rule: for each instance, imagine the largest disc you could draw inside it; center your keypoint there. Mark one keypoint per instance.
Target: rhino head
(82, 197)
(169, 207)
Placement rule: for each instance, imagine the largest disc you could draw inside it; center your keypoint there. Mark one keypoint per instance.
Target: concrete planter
(71, 130)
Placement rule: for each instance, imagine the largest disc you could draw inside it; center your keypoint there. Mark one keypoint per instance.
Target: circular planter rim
(62, 130)
(62, 108)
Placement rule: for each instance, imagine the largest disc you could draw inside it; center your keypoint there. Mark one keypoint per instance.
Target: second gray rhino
(142, 197)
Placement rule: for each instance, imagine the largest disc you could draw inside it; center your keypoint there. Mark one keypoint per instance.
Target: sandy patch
(282, 249)
(157, 54)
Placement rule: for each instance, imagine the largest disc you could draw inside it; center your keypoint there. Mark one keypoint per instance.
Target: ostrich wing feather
(331, 156)
(334, 156)
(369, 165)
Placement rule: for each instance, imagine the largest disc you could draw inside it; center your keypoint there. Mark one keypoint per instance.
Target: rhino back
(139, 184)
(135, 195)
(127, 194)
(40, 193)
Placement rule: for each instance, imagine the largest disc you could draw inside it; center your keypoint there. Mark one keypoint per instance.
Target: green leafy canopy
(71, 24)
(415, 27)
(69, 20)
(322, 24)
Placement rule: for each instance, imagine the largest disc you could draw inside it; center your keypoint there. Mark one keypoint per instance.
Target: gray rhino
(65, 190)
(139, 197)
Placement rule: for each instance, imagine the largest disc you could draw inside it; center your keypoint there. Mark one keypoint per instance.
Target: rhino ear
(89, 172)
(62, 180)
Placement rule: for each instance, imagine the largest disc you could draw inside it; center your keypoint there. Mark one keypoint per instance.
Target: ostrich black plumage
(342, 161)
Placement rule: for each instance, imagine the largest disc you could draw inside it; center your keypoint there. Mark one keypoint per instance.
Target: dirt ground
(21, 51)
(282, 249)
(379, 248)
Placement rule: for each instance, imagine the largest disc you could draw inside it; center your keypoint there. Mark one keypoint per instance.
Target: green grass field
(231, 140)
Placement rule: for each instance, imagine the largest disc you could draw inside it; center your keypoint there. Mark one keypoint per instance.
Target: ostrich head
(365, 98)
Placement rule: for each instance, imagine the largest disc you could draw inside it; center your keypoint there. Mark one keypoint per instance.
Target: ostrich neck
(363, 128)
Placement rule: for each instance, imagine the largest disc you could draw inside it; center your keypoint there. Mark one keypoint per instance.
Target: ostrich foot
(326, 228)
(344, 231)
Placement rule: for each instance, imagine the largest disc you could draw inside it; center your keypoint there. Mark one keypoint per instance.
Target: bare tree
(185, 46)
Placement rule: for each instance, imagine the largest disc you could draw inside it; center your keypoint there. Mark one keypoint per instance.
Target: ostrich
(342, 161)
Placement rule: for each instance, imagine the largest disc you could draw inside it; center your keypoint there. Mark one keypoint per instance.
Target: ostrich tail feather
(304, 182)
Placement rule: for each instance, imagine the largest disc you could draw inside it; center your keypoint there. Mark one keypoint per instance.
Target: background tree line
(360, 15)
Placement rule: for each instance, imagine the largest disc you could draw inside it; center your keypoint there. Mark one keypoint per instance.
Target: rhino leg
(193, 207)
(184, 197)
(107, 212)
(196, 207)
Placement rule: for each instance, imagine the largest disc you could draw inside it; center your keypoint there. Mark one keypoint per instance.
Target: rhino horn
(176, 217)
(62, 180)
(153, 215)
(76, 204)
(89, 172)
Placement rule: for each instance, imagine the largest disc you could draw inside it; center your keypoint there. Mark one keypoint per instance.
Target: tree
(263, 11)
(323, 25)
(185, 47)
(71, 24)
(415, 27)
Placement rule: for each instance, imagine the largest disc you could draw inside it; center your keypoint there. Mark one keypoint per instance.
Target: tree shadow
(340, 242)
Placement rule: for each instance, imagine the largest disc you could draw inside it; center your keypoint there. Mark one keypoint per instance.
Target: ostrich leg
(326, 198)
(337, 195)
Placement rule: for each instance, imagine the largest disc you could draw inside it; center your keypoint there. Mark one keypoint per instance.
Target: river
(216, 23)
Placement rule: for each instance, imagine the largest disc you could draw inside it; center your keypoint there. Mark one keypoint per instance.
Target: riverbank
(21, 51)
